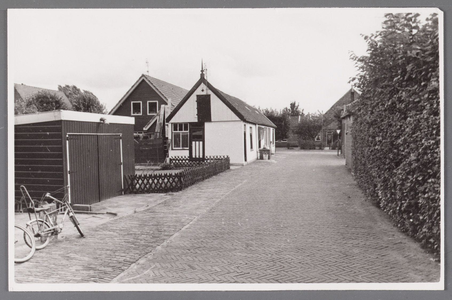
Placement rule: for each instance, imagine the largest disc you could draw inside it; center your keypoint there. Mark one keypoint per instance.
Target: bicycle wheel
(76, 224)
(24, 244)
(41, 232)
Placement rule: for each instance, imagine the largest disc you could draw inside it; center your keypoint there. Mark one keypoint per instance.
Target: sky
(266, 57)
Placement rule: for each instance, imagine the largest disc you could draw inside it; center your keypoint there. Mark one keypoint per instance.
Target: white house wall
(225, 138)
(219, 111)
(251, 154)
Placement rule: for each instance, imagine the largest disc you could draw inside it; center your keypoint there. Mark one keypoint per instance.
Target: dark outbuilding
(89, 153)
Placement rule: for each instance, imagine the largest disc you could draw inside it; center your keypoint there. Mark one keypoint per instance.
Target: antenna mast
(147, 66)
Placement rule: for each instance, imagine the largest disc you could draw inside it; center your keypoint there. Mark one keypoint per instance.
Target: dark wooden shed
(89, 153)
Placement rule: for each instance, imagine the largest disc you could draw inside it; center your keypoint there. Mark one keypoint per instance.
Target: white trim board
(69, 115)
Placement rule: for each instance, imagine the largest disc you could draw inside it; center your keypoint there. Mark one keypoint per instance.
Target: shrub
(167, 166)
(396, 130)
(45, 101)
(306, 145)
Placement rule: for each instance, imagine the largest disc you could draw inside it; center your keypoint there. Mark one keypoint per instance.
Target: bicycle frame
(56, 227)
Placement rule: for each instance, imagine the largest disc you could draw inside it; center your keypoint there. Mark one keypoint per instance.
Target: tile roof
(249, 113)
(163, 88)
(26, 91)
(349, 109)
(339, 105)
(244, 111)
(170, 91)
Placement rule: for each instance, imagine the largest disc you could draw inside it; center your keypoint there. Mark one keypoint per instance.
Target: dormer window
(136, 108)
(152, 107)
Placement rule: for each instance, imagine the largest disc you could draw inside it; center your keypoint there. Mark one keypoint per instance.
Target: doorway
(196, 150)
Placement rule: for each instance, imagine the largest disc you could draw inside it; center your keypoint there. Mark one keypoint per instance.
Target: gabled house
(24, 92)
(209, 122)
(331, 119)
(147, 100)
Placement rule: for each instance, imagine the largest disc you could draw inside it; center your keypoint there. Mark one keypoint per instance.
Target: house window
(180, 136)
(251, 138)
(136, 108)
(152, 107)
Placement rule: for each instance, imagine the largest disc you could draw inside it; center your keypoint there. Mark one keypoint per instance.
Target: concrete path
(297, 219)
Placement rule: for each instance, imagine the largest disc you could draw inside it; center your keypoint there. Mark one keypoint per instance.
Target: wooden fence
(191, 172)
(150, 151)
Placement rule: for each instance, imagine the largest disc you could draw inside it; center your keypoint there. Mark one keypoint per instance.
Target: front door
(196, 151)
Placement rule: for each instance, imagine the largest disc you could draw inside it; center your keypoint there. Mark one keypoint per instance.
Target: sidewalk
(102, 212)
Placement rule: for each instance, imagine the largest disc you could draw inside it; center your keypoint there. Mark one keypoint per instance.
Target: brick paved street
(300, 218)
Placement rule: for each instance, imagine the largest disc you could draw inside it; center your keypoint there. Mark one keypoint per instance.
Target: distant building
(25, 92)
(347, 116)
(331, 119)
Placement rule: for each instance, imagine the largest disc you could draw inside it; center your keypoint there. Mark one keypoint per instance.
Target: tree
(21, 107)
(397, 125)
(293, 109)
(44, 101)
(281, 120)
(82, 100)
(309, 126)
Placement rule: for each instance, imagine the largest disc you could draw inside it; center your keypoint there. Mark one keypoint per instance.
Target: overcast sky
(266, 57)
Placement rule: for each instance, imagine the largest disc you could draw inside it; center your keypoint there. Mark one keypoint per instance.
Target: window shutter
(203, 104)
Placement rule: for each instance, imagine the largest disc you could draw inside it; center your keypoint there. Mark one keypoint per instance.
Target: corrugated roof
(26, 92)
(170, 91)
(251, 114)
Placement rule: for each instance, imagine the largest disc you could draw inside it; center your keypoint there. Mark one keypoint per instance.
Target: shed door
(95, 167)
(83, 169)
(110, 177)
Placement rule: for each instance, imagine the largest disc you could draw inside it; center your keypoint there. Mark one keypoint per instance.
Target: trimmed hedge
(396, 129)
(306, 144)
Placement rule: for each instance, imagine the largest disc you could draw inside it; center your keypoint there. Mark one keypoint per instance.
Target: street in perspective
(297, 218)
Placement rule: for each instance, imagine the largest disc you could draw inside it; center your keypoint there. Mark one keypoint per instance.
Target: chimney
(352, 95)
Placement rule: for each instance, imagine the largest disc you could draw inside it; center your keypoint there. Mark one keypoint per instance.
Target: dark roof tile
(170, 91)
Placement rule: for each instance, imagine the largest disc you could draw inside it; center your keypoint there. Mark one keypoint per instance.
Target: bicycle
(45, 223)
(24, 244)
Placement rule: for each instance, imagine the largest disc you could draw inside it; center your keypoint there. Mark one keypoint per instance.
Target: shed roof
(244, 111)
(168, 91)
(70, 115)
(27, 91)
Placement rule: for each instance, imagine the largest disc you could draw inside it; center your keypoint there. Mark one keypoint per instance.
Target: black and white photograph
(229, 149)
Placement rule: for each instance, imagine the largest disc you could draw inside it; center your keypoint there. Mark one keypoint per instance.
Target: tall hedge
(396, 130)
